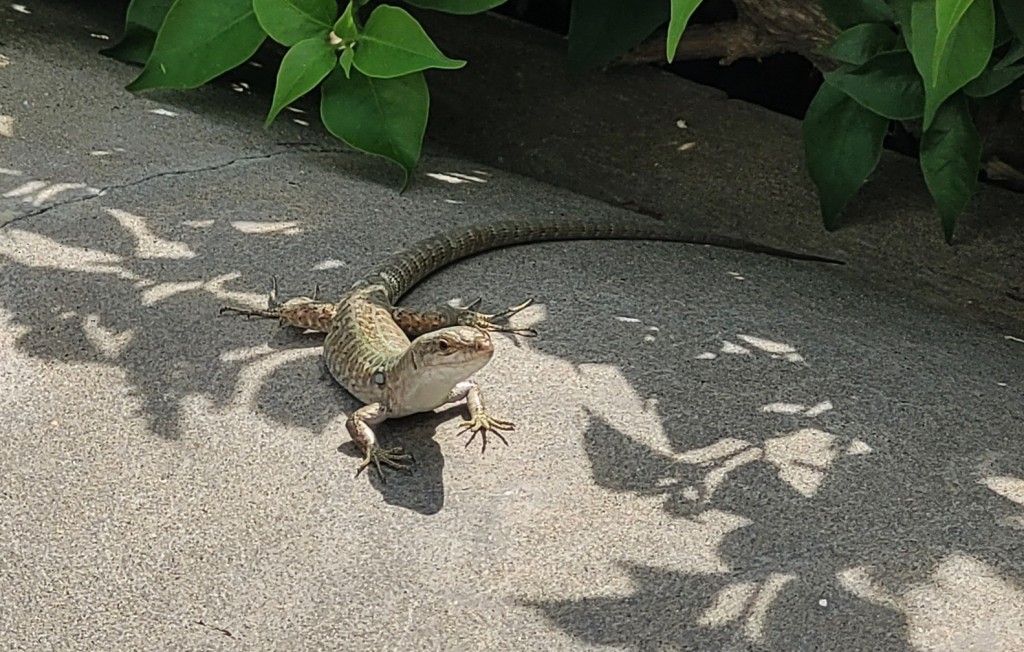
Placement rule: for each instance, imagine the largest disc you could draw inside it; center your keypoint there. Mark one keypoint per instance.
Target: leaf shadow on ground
(866, 494)
(111, 281)
(847, 470)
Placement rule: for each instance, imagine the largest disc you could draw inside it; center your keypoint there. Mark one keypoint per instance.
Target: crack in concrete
(168, 173)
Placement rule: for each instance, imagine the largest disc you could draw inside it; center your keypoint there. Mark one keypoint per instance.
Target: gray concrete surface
(716, 451)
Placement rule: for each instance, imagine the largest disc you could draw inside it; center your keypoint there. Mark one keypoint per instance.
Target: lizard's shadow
(420, 488)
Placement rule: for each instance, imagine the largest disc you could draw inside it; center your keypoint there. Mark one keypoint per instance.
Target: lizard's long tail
(403, 270)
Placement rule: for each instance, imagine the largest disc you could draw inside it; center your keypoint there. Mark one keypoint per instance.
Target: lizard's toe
(498, 322)
(393, 457)
(484, 424)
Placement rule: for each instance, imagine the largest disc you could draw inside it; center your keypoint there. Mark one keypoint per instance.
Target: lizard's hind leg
(308, 313)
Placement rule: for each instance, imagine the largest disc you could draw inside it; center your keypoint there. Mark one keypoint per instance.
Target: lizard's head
(434, 364)
(456, 352)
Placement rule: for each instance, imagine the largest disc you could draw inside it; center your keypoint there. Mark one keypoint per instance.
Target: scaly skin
(401, 361)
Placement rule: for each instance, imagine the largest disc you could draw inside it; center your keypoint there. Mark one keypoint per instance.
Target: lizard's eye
(443, 345)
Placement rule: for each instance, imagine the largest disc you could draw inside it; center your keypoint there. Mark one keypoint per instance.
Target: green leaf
(993, 80)
(950, 155)
(680, 16)
(457, 6)
(303, 67)
(345, 61)
(861, 42)
(384, 117)
(198, 41)
(142, 22)
(346, 27)
(948, 14)
(291, 21)
(1013, 11)
(902, 12)
(886, 84)
(842, 146)
(601, 30)
(1013, 54)
(1003, 34)
(999, 75)
(964, 56)
(847, 13)
(393, 44)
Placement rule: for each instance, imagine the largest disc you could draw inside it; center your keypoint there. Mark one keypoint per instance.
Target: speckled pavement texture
(714, 450)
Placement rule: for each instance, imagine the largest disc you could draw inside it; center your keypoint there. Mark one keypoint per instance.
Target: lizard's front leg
(359, 425)
(417, 321)
(301, 312)
(479, 421)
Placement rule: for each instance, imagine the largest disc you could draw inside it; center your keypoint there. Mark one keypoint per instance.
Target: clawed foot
(496, 323)
(393, 457)
(483, 425)
(273, 309)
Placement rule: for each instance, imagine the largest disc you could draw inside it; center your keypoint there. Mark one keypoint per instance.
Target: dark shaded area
(784, 83)
(665, 611)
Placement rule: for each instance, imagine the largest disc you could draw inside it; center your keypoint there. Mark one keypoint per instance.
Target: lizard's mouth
(477, 350)
(482, 343)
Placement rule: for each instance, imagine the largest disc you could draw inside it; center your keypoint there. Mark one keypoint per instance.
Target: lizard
(399, 361)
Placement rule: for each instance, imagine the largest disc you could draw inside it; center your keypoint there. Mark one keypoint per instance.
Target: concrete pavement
(715, 450)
